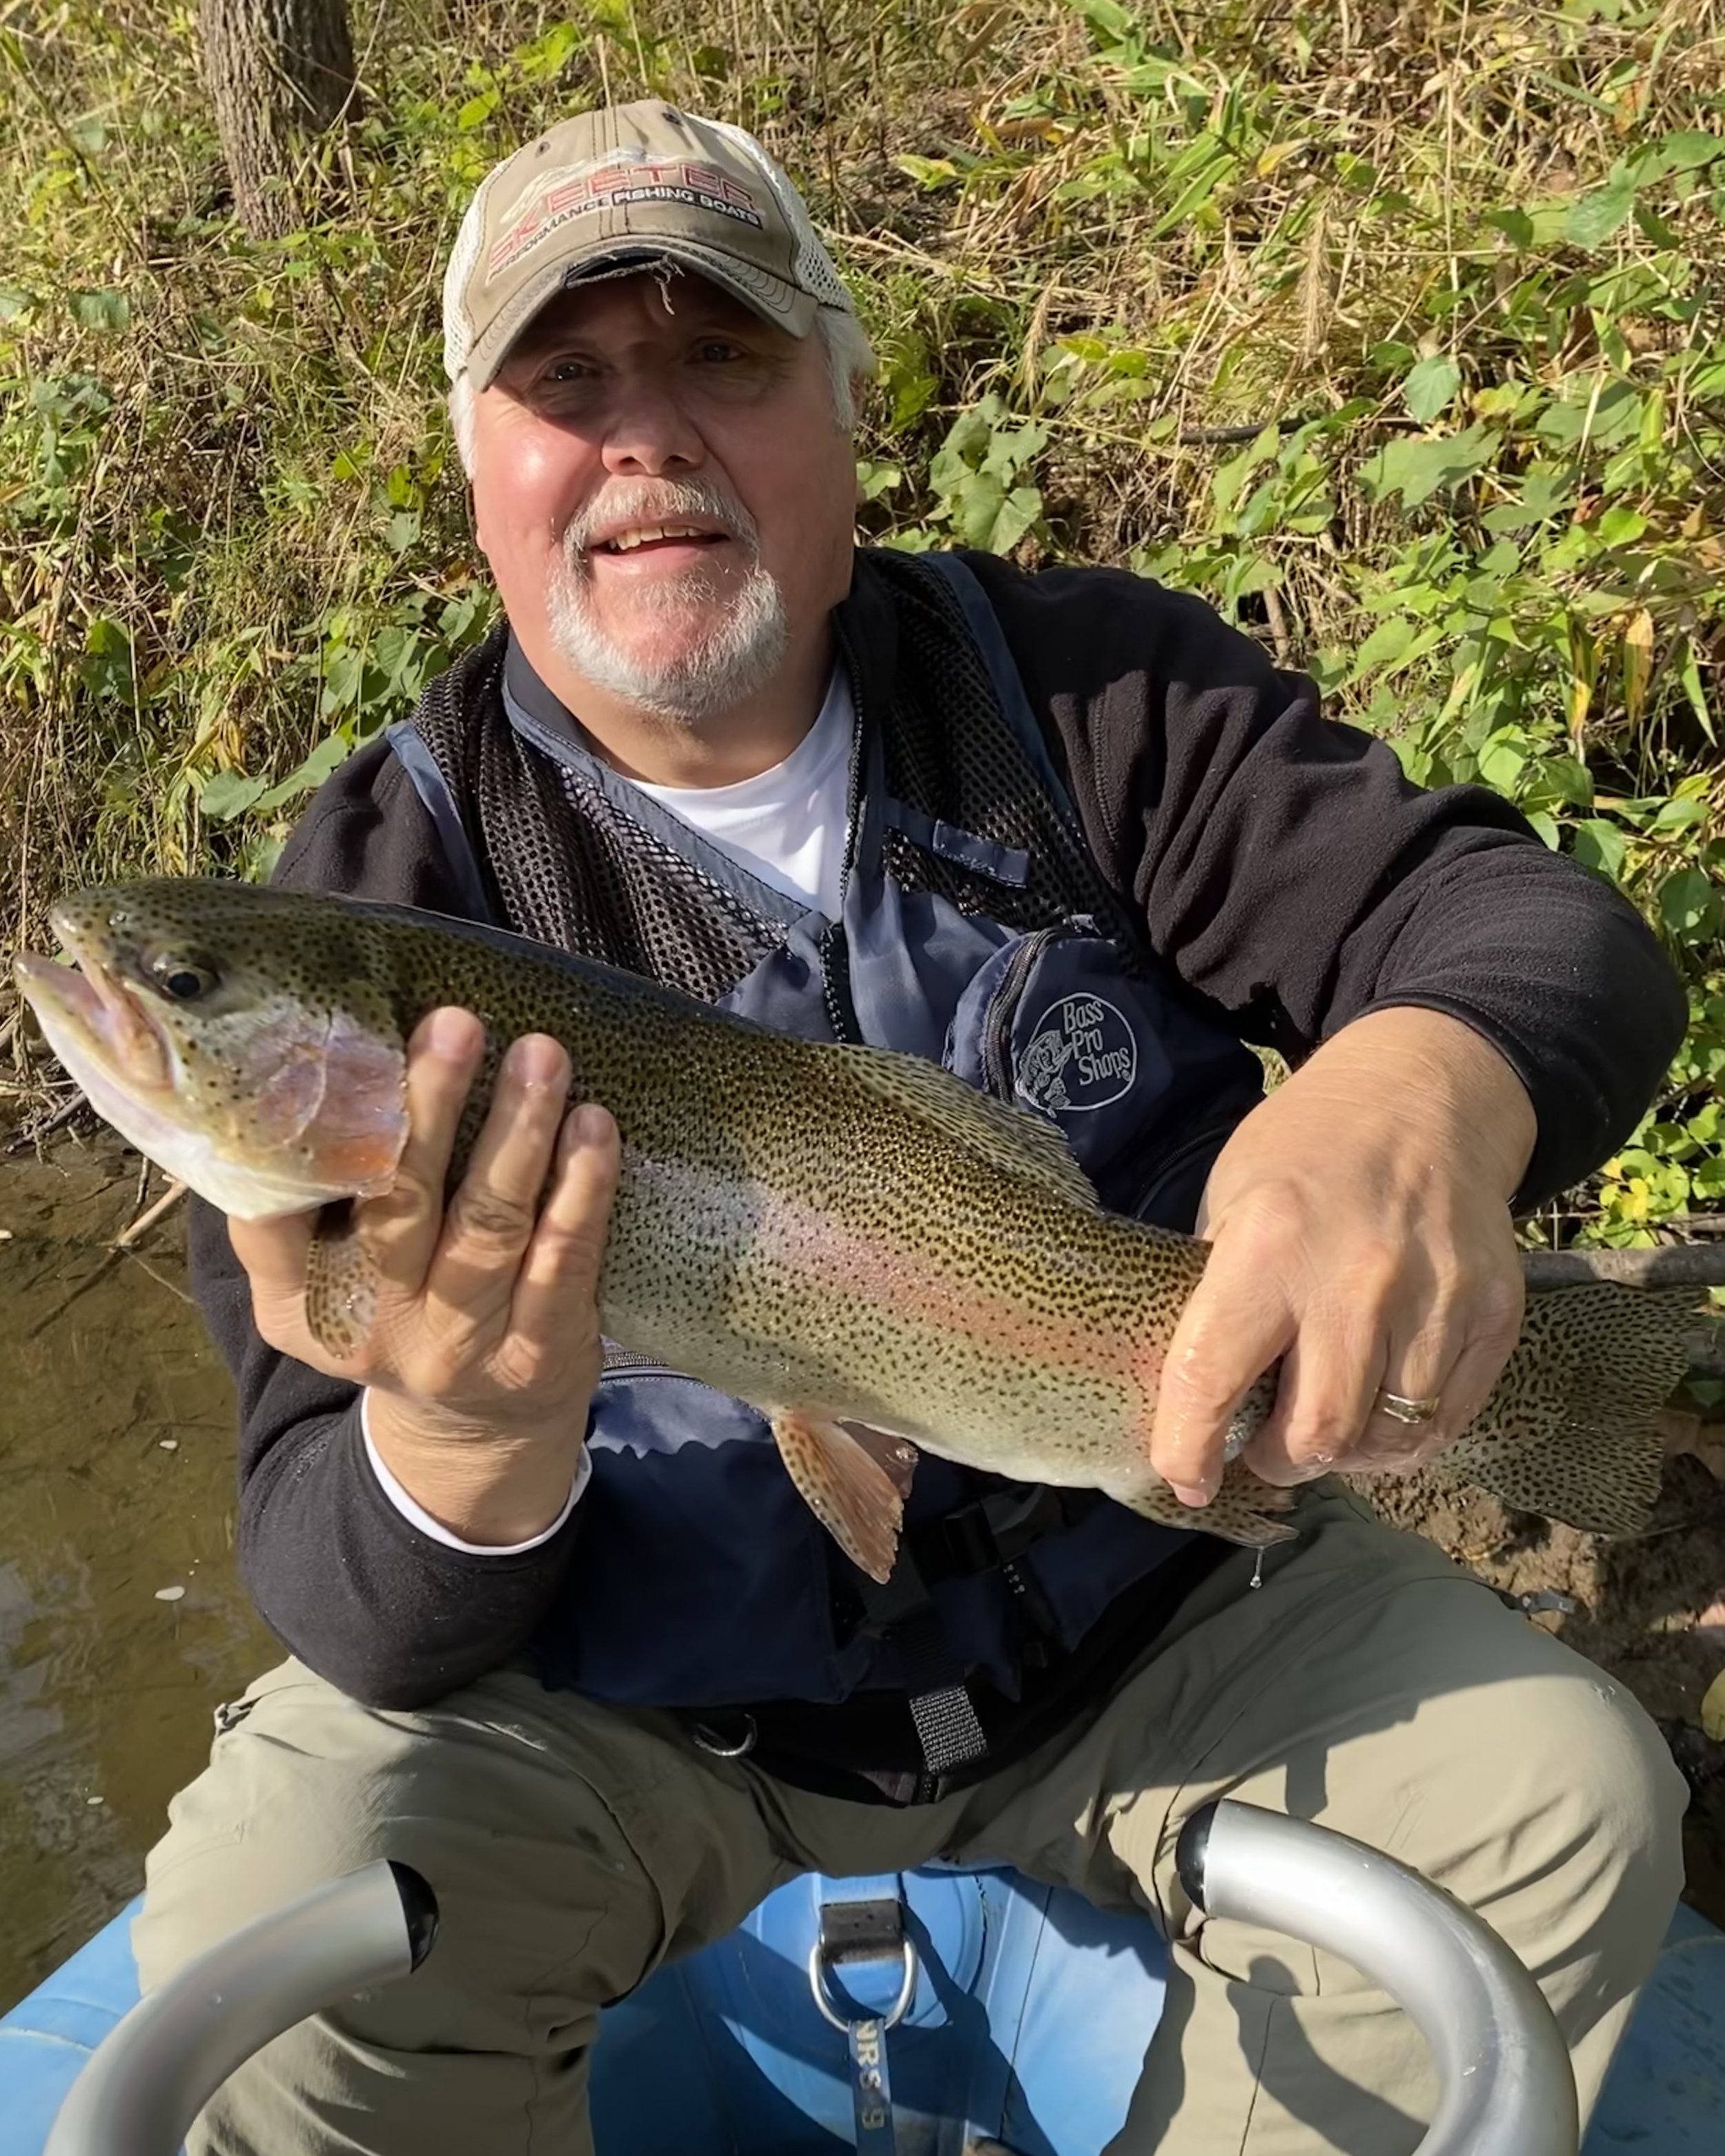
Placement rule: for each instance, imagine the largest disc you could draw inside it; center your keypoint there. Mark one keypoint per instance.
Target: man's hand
(484, 1351)
(1360, 1230)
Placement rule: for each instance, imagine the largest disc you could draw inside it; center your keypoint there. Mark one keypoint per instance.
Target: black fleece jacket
(1282, 865)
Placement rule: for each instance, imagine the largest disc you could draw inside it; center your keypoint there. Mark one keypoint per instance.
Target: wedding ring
(1399, 1410)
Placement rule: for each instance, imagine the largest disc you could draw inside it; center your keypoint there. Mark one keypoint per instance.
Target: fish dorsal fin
(1012, 1139)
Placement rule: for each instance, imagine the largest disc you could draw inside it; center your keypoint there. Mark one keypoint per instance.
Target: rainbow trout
(875, 1256)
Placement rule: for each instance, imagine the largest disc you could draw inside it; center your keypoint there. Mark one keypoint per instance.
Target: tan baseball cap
(623, 187)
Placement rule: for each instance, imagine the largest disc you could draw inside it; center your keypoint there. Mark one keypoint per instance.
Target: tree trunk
(278, 72)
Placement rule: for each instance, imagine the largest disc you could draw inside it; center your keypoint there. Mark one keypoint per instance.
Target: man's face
(663, 493)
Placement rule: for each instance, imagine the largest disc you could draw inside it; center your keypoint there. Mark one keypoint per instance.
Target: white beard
(712, 672)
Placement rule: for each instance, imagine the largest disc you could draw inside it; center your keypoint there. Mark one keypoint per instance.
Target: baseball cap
(628, 186)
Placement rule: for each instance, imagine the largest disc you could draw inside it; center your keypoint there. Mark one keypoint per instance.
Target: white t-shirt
(787, 827)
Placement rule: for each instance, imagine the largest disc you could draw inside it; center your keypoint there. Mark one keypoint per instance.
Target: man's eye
(720, 349)
(569, 370)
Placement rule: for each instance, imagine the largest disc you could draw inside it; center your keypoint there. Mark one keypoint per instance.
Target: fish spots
(796, 1223)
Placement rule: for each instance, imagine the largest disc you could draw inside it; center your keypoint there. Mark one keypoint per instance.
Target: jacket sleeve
(380, 1610)
(1294, 878)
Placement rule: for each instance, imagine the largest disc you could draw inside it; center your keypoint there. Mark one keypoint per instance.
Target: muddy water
(106, 1690)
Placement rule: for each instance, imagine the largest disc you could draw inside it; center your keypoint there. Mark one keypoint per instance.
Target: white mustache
(661, 501)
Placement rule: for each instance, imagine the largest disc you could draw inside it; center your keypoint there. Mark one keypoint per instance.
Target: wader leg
(1369, 1685)
(571, 1848)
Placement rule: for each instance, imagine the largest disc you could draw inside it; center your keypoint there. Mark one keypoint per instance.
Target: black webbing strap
(902, 1613)
(993, 1530)
(941, 1710)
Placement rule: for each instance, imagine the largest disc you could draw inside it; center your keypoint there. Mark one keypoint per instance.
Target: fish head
(242, 1039)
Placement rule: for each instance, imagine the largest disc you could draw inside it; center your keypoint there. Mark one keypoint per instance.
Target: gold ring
(1399, 1410)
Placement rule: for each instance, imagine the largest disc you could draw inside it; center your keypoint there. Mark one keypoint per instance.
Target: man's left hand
(1360, 1231)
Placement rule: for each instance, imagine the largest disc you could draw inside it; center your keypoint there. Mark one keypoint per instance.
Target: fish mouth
(88, 1012)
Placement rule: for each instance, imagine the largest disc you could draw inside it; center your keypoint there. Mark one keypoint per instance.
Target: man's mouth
(661, 538)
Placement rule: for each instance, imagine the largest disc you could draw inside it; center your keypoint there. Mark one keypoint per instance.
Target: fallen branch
(169, 1198)
(1675, 1264)
(37, 1132)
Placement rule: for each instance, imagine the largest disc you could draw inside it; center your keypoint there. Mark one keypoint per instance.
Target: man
(565, 1638)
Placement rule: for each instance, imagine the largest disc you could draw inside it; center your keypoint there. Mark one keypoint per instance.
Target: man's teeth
(626, 541)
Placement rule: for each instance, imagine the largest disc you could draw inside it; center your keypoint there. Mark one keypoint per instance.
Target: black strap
(941, 1710)
(903, 1615)
(995, 1529)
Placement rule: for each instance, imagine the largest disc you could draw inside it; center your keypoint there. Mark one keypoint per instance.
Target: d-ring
(1401, 1409)
(895, 2013)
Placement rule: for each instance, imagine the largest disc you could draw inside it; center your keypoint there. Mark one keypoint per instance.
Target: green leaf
(1109, 17)
(1515, 224)
(1546, 825)
(1686, 150)
(106, 668)
(15, 300)
(325, 758)
(1430, 389)
(1621, 527)
(1428, 464)
(108, 311)
(875, 479)
(227, 795)
(1018, 513)
(1547, 490)
(1689, 674)
(1601, 845)
(930, 172)
(1594, 218)
(1687, 902)
(1394, 644)
(1503, 758)
(976, 504)
(342, 671)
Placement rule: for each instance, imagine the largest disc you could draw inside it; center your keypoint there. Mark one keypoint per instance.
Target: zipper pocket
(625, 1362)
(1003, 1008)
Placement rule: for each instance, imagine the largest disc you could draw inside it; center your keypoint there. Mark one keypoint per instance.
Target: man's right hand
(484, 1353)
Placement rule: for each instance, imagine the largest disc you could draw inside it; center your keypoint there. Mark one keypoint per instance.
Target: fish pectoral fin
(341, 1283)
(853, 1479)
(1240, 1512)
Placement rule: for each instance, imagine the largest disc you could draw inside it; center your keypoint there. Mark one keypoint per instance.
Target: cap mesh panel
(814, 270)
(458, 331)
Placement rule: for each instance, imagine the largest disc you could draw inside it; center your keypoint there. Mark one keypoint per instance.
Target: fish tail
(1569, 1430)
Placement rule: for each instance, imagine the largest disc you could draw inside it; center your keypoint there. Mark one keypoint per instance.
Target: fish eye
(183, 976)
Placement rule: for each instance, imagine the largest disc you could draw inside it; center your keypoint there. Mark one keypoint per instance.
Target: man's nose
(649, 433)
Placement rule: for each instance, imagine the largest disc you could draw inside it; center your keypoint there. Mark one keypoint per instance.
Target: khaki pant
(1368, 1684)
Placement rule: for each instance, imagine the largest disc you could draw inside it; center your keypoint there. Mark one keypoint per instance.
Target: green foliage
(1395, 333)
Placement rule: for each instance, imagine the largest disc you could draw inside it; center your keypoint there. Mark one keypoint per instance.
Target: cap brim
(786, 305)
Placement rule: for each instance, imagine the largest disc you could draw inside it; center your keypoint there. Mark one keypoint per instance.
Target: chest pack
(975, 930)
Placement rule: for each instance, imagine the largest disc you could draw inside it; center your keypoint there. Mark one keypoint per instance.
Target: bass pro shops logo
(1083, 1056)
